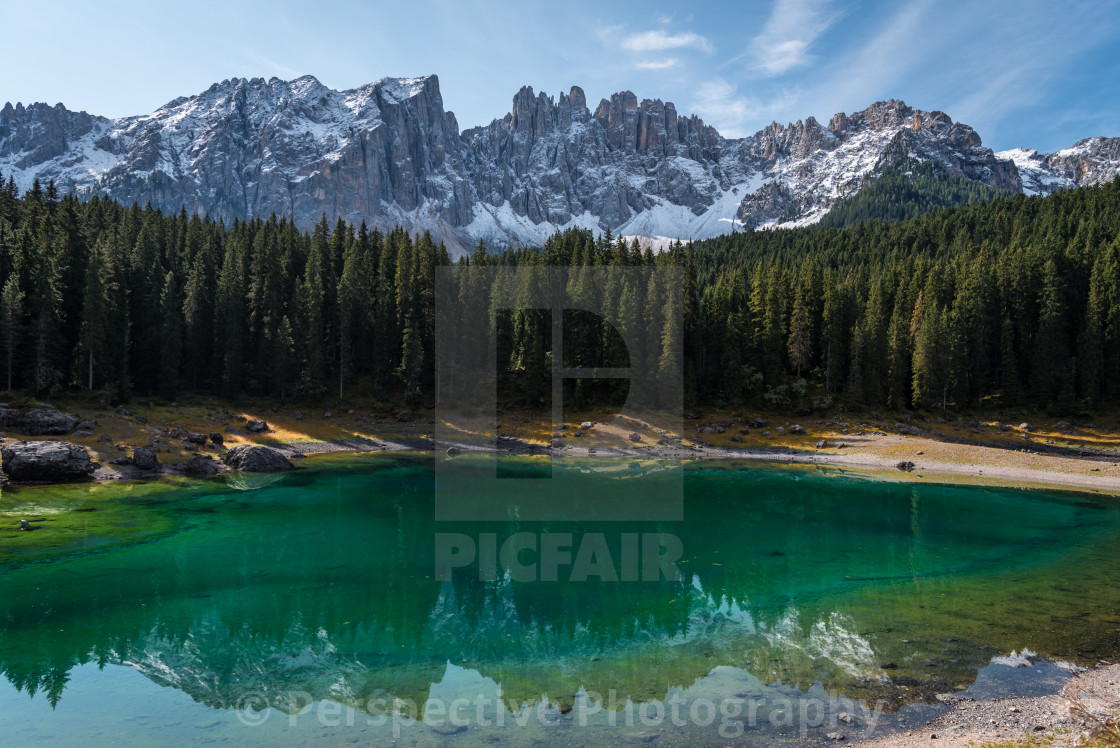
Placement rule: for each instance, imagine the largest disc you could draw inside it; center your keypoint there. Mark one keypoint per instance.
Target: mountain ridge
(389, 153)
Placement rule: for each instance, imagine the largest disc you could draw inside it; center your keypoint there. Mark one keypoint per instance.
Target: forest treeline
(1007, 301)
(904, 190)
(127, 301)
(1010, 302)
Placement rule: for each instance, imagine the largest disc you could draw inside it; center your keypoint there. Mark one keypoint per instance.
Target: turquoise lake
(308, 608)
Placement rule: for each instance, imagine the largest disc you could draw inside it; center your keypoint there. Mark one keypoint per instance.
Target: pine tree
(1052, 352)
(312, 315)
(11, 325)
(230, 318)
(171, 333)
(44, 303)
(97, 294)
(930, 358)
(800, 353)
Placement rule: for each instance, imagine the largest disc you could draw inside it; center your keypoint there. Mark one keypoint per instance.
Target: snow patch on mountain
(1038, 179)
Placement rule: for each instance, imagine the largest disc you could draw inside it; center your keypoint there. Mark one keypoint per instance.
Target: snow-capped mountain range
(388, 153)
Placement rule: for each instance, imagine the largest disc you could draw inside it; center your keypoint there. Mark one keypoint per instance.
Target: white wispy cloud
(665, 64)
(880, 64)
(736, 115)
(660, 41)
(785, 40)
(717, 101)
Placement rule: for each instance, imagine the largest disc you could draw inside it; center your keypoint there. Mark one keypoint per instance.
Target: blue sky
(1038, 74)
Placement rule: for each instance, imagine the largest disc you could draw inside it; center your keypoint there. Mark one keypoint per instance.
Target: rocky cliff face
(1087, 162)
(388, 153)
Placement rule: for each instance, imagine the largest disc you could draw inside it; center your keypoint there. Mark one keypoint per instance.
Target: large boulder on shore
(46, 461)
(253, 458)
(37, 421)
(145, 458)
(200, 465)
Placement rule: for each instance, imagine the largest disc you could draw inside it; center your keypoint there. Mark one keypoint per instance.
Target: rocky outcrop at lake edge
(37, 421)
(46, 461)
(253, 458)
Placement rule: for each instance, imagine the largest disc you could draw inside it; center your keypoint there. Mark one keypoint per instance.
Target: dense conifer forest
(905, 190)
(1009, 301)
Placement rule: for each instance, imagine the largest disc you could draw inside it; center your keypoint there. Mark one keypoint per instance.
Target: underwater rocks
(46, 461)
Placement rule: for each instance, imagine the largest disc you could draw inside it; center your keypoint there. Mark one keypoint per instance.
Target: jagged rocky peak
(389, 153)
(39, 132)
(891, 114)
(795, 140)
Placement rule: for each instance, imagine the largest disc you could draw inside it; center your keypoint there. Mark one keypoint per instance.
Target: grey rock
(254, 458)
(256, 427)
(200, 465)
(822, 444)
(196, 438)
(145, 458)
(757, 423)
(46, 461)
(217, 438)
(299, 415)
(587, 425)
(87, 424)
(797, 429)
(905, 465)
(1063, 426)
(453, 451)
(406, 415)
(39, 421)
(635, 437)
(719, 429)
